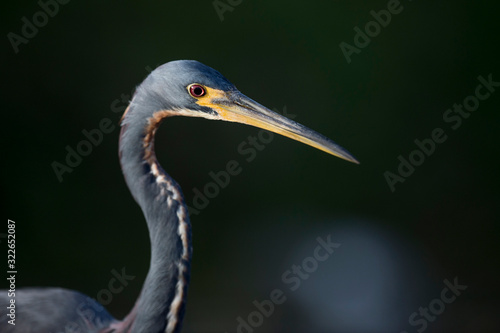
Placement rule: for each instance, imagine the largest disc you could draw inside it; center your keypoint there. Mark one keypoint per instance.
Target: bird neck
(161, 304)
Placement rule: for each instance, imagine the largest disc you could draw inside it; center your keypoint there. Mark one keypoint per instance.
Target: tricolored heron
(178, 88)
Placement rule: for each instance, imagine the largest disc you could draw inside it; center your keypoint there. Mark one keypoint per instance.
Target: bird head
(190, 88)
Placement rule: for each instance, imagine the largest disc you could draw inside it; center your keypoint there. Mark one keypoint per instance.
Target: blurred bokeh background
(397, 247)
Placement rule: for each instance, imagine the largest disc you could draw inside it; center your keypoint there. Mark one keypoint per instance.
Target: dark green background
(443, 218)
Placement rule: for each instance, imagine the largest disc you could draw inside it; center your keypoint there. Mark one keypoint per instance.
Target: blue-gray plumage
(177, 88)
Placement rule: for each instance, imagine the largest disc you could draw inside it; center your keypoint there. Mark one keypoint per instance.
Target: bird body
(178, 88)
(54, 310)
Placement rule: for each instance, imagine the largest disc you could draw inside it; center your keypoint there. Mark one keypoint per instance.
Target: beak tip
(343, 154)
(352, 159)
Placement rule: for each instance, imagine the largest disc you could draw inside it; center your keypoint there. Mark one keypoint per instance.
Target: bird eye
(196, 90)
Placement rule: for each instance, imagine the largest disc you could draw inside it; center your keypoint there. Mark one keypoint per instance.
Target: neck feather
(161, 305)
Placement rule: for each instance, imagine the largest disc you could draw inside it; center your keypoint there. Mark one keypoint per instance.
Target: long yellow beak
(237, 107)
